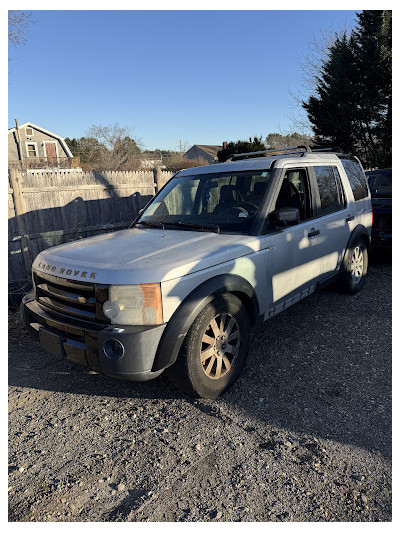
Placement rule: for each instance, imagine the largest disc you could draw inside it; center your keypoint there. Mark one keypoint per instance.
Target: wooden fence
(50, 208)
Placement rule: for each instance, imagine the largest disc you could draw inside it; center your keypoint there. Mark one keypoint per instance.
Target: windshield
(380, 183)
(209, 202)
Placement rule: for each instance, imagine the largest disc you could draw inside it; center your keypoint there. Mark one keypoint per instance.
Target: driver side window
(295, 192)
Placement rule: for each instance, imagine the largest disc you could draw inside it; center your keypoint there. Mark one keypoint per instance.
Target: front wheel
(355, 268)
(214, 350)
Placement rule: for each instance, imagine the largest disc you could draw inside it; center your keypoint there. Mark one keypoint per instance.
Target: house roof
(211, 149)
(39, 128)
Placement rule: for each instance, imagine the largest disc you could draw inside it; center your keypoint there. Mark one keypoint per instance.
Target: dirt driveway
(305, 434)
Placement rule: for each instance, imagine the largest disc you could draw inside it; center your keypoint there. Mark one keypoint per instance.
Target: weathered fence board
(50, 208)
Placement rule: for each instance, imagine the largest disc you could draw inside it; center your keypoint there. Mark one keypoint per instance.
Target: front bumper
(83, 342)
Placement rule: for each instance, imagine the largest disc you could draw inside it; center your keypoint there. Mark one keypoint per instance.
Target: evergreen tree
(374, 61)
(240, 147)
(351, 104)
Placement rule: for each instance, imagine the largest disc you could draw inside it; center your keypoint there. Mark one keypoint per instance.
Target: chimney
(224, 145)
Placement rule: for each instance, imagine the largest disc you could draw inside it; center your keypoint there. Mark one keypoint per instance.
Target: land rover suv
(219, 250)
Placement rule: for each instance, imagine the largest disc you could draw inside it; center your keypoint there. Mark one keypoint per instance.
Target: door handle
(350, 218)
(313, 233)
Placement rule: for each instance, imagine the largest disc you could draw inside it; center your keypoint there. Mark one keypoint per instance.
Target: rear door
(335, 215)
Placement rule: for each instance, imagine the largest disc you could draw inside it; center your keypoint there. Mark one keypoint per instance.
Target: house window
(29, 132)
(31, 149)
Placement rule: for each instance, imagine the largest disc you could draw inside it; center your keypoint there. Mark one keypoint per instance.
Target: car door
(293, 262)
(335, 216)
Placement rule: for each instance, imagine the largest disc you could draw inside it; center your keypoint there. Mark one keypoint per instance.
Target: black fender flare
(359, 232)
(181, 320)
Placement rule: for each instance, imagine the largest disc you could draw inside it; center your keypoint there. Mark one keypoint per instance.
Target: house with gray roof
(204, 151)
(33, 147)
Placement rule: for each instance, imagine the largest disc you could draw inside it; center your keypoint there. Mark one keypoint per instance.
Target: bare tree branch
(18, 26)
(113, 148)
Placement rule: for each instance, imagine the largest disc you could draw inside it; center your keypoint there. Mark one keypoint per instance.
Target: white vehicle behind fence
(219, 250)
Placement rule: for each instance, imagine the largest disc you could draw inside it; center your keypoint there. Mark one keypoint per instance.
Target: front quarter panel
(184, 315)
(251, 268)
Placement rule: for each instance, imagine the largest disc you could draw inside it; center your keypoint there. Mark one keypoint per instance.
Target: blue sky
(200, 77)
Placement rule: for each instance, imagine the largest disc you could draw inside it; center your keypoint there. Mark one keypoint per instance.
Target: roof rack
(302, 149)
(335, 149)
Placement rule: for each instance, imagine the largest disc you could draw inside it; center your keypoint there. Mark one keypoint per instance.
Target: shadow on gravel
(380, 256)
(321, 368)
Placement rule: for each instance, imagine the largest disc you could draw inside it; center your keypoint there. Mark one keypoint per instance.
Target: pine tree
(351, 104)
(374, 61)
(240, 147)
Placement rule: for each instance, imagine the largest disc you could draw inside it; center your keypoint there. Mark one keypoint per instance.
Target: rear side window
(330, 191)
(357, 179)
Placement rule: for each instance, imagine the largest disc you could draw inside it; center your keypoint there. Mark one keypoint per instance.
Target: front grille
(73, 298)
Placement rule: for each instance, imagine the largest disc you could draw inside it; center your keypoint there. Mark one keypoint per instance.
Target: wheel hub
(220, 346)
(357, 264)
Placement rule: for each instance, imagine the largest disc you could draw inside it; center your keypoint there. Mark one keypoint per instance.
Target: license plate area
(50, 342)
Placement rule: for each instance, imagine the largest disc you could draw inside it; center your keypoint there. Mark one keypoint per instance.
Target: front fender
(180, 322)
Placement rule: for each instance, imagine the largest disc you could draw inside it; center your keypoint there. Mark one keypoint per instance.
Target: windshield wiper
(151, 224)
(180, 224)
(205, 227)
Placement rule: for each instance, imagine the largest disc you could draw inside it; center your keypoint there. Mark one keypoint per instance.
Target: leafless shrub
(178, 162)
(112, 148)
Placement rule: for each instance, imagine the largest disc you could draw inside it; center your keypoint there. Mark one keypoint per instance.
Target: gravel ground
(304, 435)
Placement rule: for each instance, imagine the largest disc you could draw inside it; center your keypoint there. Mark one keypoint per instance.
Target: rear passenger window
(356, 178)
(330, 190)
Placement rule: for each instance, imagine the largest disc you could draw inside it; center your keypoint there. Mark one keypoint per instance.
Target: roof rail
(279, 151)
(285, 151)
(333, 149)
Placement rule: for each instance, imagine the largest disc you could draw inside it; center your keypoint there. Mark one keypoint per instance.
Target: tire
(214, 351)
(355, 265)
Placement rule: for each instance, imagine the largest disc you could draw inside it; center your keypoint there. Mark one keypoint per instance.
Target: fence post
(157, 178)
(19, 208)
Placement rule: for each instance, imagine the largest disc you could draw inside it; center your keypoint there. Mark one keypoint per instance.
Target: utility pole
(18, 141)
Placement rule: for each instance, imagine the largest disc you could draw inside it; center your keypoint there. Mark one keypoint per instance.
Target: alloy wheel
(357, 264)
(220, 346)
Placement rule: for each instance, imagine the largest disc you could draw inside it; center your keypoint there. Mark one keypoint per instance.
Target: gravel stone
(318, 377)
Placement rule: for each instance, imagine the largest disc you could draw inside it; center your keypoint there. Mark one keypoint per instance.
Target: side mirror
(285, 216)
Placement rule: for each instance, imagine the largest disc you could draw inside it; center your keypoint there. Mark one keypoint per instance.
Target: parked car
(219, 250)
(380, 184)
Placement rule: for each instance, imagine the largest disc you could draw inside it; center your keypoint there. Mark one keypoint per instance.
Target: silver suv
(219, 250)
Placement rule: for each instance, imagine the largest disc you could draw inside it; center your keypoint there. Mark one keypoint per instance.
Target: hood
(142, 255)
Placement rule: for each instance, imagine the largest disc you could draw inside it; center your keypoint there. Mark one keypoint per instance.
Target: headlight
(138, 305)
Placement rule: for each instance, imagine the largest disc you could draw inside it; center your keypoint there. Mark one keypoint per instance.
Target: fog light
(113, 349)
